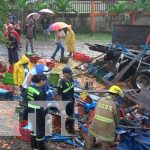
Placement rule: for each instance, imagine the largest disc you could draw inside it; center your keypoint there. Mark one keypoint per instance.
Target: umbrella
(57, 26)
(47, 11)
(35, 16)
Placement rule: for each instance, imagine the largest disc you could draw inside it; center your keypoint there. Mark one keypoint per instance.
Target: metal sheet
(142, 98)
(130, 35)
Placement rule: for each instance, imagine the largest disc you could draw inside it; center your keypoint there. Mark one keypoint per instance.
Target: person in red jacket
(13, 41)
(10, 28)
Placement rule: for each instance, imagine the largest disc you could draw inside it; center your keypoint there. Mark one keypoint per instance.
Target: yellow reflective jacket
(19, 72)
(105, 120)
(70, 40)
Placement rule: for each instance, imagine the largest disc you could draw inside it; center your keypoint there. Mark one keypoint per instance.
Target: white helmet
(46, 70)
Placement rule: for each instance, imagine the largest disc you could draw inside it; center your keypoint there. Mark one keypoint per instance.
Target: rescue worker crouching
(105, 121)
(34, 94)
(66, 93)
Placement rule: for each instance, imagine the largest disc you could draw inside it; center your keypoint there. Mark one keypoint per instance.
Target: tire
(141, 79)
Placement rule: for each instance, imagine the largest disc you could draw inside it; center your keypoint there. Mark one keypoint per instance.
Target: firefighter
(66, 93)
(105, 120)
(35, 93)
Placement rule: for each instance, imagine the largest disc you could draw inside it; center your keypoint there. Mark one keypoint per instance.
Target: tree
(62, 5)
(21, 6)
(3, 18)
(42, 5)
(127, 7)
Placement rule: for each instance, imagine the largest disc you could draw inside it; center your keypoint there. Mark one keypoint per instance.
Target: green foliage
(118, 8)
(24, 7)
(3, 18)
(42, 5)
(62, 5)
(124, 6)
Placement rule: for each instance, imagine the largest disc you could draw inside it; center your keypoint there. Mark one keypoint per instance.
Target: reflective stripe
(69, 87)
(31, 94)
(33, 134)
(40, 139)
(104, 119)
(33, 106)
(59, 85)
(30, 98)
(32, 90)
(102, 138)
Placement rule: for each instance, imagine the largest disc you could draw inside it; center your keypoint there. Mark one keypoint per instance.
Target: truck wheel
(141, 80)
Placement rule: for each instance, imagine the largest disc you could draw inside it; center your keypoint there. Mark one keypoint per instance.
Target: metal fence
(84, 6)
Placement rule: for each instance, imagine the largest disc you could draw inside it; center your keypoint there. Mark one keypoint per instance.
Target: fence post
(92, 16)
(133, 18)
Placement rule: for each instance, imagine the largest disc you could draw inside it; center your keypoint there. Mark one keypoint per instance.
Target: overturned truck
(133, 63)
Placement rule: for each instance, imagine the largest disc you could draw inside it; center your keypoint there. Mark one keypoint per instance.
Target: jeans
(31, 44)
(58, 47)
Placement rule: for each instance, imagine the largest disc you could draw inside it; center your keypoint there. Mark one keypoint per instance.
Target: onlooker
(59, 35)
(29, 30)
(17, 26)
(34, 29)
(45, 24)
(12, 19)
(13, 45)
(70, 41)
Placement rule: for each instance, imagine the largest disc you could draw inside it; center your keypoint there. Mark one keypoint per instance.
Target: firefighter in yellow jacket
(105, 120)
(70, 40)
(21, 68)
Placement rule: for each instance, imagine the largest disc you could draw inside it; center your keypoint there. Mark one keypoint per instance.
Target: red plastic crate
(77, 56)
(86, 58)
(11, 69)
(81, 57)
(7, 87)
(25, 134)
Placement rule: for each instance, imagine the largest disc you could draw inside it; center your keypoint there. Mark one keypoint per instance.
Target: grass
(102, 37)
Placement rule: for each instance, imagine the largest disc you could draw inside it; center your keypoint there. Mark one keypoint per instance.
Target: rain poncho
(21, 69)
(70, 40)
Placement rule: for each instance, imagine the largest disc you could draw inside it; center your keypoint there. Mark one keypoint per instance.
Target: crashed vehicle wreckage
(128, 63)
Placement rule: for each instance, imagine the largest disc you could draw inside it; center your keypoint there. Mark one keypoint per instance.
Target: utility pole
(92, 16)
